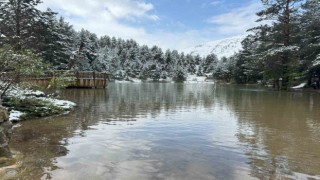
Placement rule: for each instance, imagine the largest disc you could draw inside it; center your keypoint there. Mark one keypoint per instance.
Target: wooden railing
(91, 79)
(82, 79)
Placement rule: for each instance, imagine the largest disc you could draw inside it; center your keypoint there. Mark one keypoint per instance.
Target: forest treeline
(23, 26)
(284, 49)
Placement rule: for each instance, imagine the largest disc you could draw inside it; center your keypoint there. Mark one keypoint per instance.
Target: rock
(10, 167)
(3, 114)
(6, 162)
(4, 149)
(9, 172)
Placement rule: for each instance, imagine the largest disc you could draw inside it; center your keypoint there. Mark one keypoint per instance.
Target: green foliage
(23, 62)
(209, 63)
(179, 75)
(281, 49)
(18, 66)
(61, 79)
(32, 107)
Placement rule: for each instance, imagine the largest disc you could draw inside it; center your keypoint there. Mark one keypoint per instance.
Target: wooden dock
(79, 79)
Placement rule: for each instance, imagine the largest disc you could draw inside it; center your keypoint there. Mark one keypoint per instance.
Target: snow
(135, 80)
(22, 94)
(222, 48)
(66, 105)
(168, 79)
(277, 50)
(197, 79)
(316, 62)
(190, 79)
(15, 115)
(302, 85)
(34, 93)
(121, 81)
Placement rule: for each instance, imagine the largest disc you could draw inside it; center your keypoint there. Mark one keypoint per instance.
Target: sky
(169, 24)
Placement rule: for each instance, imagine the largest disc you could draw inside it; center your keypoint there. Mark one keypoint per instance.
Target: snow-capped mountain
(225, 47)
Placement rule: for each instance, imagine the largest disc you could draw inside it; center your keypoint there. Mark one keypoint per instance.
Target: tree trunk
(18, 25)
(286, 42)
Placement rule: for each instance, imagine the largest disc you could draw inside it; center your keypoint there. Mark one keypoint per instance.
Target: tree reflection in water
(277, 132)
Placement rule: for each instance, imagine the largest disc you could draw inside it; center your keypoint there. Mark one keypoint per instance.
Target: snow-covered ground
(190, 79)
(22, 94)
(64, 104)
(15, 115)
(222, 48)
(136, 80)
(195, 79)
(302, 85)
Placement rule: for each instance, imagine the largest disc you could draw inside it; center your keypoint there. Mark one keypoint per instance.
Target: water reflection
(277, 135)
(175, 131)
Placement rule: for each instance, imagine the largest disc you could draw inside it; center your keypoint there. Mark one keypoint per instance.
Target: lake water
(175, 131)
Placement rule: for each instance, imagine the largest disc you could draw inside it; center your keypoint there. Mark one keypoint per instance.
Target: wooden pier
(78, 79)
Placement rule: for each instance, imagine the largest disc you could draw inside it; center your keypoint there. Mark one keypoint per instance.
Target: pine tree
(17, 22)
(209, 63)
(280, 54)
(310, 35)
(250, 66)
(57, 42)
(86, 51)
(191, 64)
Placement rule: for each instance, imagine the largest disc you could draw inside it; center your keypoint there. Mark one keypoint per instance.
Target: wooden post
(104, 80)
(77, 78)
(94, 79)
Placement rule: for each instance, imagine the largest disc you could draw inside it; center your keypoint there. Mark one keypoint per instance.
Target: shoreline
(26, 104)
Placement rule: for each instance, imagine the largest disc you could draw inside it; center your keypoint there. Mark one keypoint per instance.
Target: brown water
(175, 131)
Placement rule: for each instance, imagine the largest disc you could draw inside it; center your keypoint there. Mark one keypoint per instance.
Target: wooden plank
(82, 78)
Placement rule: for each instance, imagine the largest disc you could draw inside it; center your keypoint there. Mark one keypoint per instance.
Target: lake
(175, 131)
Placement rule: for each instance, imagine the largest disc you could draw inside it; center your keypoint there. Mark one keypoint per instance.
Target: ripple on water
(176, 131)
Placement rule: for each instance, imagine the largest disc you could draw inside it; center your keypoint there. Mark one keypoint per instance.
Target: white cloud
(105, 18)
(116, 18)
(236, 21)
(128, 8)
(216, 3)
(119, 9)
(178, 41)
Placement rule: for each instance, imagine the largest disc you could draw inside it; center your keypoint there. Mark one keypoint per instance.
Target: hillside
(225, 47)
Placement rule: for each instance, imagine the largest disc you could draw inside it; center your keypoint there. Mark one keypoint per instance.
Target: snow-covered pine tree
(249, 65)
(157, 63)
(169, 63)
(17, 22)
(56, 37)
(191, 64)
(179, 73)
(66, 40)
(221, 71)
(198, 61)
(281, 54)
(104, 41)
(132, 65)
(209, 63)
(86, 50)
(310, 35)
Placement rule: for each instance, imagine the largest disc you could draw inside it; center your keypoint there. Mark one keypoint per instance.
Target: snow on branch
(279, 50)
(316, 62)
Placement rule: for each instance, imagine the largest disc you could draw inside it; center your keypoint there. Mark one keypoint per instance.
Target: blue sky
(174, 24)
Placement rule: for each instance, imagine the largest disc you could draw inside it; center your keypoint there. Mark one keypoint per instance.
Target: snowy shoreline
(189, 80)
(49, 106)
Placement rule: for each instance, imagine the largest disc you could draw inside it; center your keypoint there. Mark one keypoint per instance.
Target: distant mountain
(225, 47)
